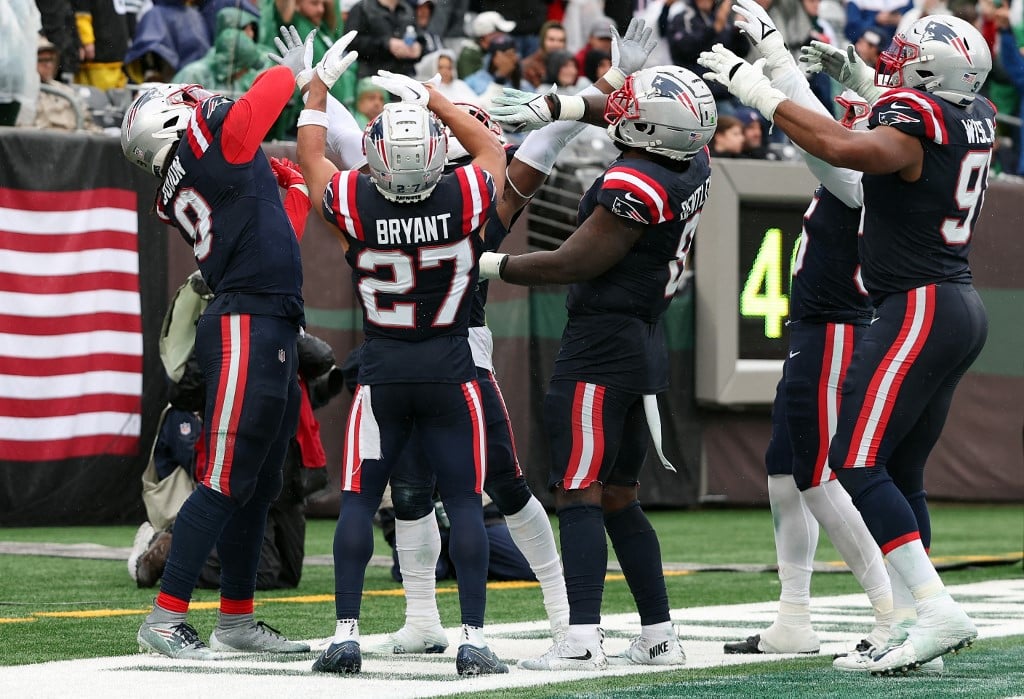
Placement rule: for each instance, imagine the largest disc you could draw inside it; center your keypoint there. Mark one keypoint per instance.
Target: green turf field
(58, 608)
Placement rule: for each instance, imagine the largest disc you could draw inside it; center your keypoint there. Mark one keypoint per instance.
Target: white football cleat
(778, 638)
(942, 627)
(567, 655)
(646, 651)
(410, 641)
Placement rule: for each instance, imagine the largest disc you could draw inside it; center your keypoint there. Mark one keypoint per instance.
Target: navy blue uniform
(613, 348)
(828, 310)
(222, 196)
(930, 324)
(414, 269)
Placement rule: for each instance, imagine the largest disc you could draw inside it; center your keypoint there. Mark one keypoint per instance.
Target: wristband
(615, 77)
(313, 117)
(492, 264)
(571, 108)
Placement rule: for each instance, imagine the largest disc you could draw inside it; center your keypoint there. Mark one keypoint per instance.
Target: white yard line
(997, 607)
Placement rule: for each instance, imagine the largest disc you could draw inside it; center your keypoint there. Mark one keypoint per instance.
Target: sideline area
(997, 607)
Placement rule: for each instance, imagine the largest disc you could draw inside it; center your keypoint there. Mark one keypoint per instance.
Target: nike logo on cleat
(659, 649)
(585, 656)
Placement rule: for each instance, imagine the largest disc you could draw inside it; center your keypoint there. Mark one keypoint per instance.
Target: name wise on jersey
(413, 230)
(980, 130)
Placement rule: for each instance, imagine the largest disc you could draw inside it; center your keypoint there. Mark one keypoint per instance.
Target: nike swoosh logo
(873, 320)
(632, 197)
(793, 354)
(586, 656)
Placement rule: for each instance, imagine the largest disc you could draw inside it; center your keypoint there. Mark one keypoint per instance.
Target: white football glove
(630, 51)
(290, 49)
(336, 61)
(526, 111)
(402, 86)
(845, 67)
(747, 82)
(764, 36)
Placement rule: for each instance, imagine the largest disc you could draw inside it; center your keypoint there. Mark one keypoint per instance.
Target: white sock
(658, 631)
(587, 635)
(913, 565)
(796, 539)
(902, 599)
(346, 630)
(418, 544)
(531, 531)
(832, 507)
(473, 635)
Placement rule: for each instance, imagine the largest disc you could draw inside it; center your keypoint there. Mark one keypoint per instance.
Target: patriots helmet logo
(668, 86)
(940, 31)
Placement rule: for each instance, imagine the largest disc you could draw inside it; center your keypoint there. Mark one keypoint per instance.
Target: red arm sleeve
(251, 117)
(297, 206)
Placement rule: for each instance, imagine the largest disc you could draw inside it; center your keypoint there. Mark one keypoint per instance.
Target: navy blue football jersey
(919, 233)
(231, 215)
(414, 270)
(826, 274)
(614, 335)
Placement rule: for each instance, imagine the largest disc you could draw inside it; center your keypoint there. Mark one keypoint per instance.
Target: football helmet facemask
(945, 56)
(856, 110)
(154, 123)
(666, 110)
(456, 151)
(405, 148)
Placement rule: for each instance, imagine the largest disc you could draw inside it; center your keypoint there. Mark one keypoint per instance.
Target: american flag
(70, 324)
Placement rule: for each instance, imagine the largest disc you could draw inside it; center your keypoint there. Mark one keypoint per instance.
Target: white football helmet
(666, 110)
(405, 148)
(456, 151)
(856, 110)
(154, 123)
(943, 55)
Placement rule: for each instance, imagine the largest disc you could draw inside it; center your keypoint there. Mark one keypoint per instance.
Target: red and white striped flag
(70, 324)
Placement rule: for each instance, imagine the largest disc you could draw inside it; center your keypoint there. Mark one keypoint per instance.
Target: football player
(624, 263)
(412, 235)
(925, 163)
(829, 310)
(217, 188)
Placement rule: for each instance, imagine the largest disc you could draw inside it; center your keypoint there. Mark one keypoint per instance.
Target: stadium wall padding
(718, 454)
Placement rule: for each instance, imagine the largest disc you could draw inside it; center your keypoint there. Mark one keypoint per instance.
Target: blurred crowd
(76, 64)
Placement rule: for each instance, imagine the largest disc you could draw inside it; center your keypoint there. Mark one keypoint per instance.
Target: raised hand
(845, 67)
(763, 35)
(336, 61)
(747, 82)
(402, 86)
(286, 172)
(630, 51)
(290, 49)
(525, 111)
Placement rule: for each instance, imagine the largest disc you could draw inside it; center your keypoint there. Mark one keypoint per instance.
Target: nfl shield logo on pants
(280, 356)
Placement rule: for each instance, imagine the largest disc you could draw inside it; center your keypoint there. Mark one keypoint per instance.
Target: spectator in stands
(552, 38)
(59, 105)
(564, 74)
(728, 139)
(105, 34)
(59, 26)
(306, 15)
(753, 133)
(600, 38)
(485, 27)
(210, 9)
(370, 101)
(168, 37)
(595, 63)
(382, 26)
(448, 21)
(701, 25)
(1013, 67)
(431, 41)
(235, 59)
(501, 69)
(527, 15)
(885, 14)
(451, 86)
(19, 81)
(869, 45)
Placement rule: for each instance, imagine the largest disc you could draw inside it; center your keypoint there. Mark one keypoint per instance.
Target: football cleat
(645, 651)
(567, 655)
(408, 640)
(255, 638)
(778, 638)
(471, 661)
(175, 640)
(942, 627)
(342, 658)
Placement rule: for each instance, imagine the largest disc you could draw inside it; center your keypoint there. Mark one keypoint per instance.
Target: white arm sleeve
(541, 147)
(344, 146)
(843, 183)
